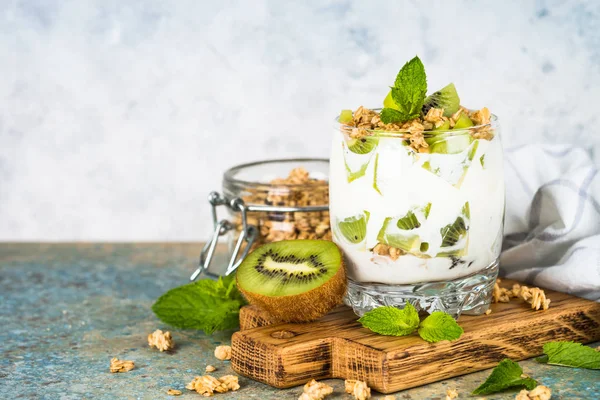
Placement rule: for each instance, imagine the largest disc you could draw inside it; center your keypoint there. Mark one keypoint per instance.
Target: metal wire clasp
(248, 235)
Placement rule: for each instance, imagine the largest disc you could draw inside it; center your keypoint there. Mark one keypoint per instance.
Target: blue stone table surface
(67, 309)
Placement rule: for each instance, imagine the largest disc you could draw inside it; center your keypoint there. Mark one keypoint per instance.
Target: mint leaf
(391, 321)
(439, 326)
(206, 305)
(570, 354)
(507, 374)
(409, 90)
(389, 115)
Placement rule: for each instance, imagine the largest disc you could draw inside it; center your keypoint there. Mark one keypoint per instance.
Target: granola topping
(365, 122)
(161, 340)
(314, 390)
(174, 392)
(223, 352)
(117, 365)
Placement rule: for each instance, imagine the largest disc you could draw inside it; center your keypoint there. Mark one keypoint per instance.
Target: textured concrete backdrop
(118, 117)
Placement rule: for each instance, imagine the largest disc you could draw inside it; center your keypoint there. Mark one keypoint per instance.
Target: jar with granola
(267, 201)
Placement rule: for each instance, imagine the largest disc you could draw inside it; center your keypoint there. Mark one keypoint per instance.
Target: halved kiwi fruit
(446, 98)
(294, 280)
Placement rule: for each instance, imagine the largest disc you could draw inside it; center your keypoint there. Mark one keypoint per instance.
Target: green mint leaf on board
(507, 374)
(391, 321)
(389, 115)
(439, 326)
(205, 305)
(570, 354)
(408, 92)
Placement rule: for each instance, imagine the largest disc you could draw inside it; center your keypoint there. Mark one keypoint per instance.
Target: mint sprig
(439, 326)
(206, 305)
(507, 374)
(408, 93)
(391, 321)
(570, 354)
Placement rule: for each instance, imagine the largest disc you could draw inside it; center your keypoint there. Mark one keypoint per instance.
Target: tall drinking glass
(419, 227)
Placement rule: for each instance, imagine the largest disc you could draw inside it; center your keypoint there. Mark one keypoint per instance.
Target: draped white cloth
(552, 226)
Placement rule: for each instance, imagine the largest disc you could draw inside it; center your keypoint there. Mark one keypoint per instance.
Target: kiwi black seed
(294, 280)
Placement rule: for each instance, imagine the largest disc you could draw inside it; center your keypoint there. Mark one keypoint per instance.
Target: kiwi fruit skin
(306, 306)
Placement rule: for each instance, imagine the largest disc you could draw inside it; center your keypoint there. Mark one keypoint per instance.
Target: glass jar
(266, 201)
(423, 227)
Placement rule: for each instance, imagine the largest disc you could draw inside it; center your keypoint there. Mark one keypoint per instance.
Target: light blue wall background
(118, 117)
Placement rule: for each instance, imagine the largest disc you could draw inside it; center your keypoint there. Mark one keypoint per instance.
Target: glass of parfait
(418, 208)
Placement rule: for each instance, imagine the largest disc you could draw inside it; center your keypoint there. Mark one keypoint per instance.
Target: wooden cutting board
(336, 346)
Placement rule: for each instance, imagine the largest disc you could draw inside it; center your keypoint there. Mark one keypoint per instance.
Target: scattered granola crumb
(389, 397)
(161, 340)
(210, 368)
(451, 394)
(174, 392)
(539, 393)
(488, 311)
(230, 381)
(314, 390)
(207, 385)
(534, 296)
(359, 389)
(500, 295)
(223, 352)
(117, 365)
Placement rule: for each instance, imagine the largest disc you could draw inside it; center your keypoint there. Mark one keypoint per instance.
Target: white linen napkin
(552, 226)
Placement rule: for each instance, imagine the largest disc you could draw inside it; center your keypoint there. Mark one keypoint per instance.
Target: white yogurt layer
(392, 181)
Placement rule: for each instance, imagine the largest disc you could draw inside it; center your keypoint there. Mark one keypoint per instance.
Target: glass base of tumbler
(470, 294)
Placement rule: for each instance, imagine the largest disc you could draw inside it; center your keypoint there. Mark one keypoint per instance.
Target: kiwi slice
(408, 222)
(389, 102)
(473, 150)
(354, 229)
(453, 232)
(401, 240)
(362, 145)
(346, 116)
(449, 144)
(294, 280)
(354, 175)
(446, 98)
(444, 127)
(463, 122)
